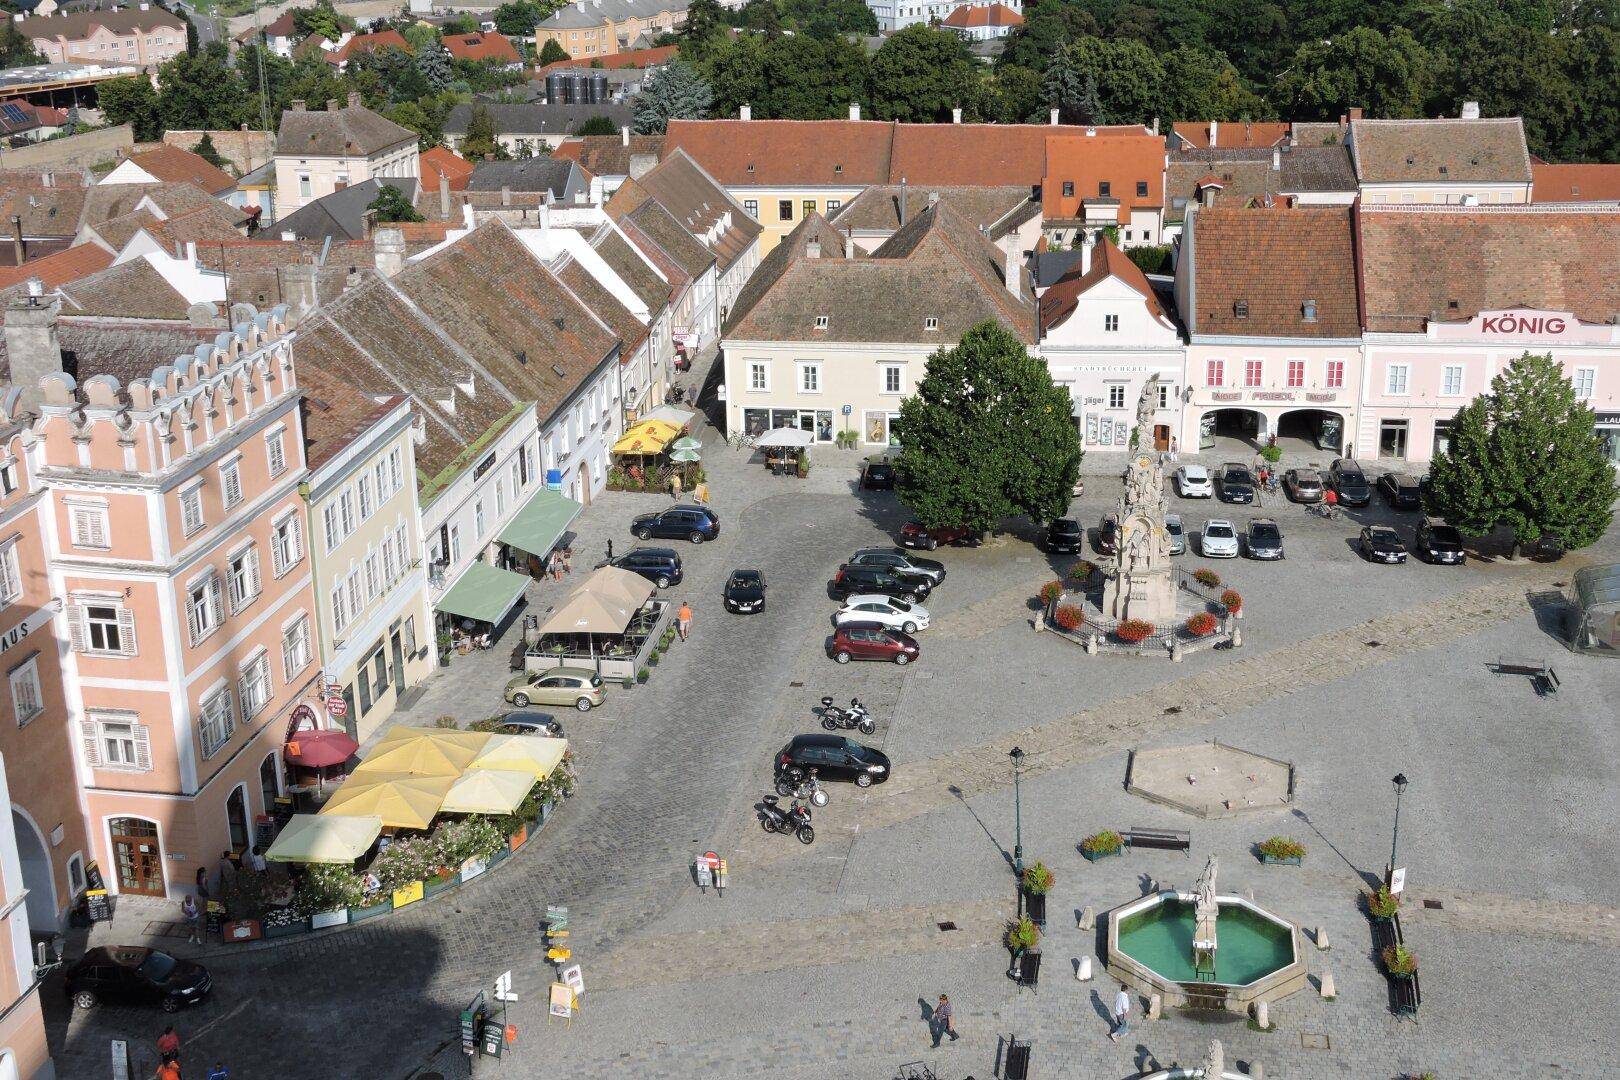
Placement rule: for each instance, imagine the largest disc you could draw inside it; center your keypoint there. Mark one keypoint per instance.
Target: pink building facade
(1256, 388)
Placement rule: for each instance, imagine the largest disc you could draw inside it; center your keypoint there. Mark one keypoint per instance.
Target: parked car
(901, 562)
(1236, 483)
(914, 534)
(872, 641)
(1304, 485)
(1178, 533)
(1380, 543)
(1065, 535)
(1219, 540)
(745, 591)
(1438, 542)
(877, 474)
(1193, 482)
(835, 758)
(1264, 539)
(895, 614)
(1349, 483)
(661, 566)
(530, 722)
(694, 523)
(1400, 491)
(851, 579)
(138, 976)
(579, 687)
(1108, 535)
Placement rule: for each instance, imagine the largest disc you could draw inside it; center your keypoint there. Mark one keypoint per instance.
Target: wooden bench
(1542, 676)
(1162, 839)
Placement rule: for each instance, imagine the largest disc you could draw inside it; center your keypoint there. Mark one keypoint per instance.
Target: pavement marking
(218, 1020)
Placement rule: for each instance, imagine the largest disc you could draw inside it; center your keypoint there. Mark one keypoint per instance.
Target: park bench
(1162, 839)
(1542, 676)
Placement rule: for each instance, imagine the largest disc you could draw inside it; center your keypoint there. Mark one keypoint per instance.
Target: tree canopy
(392, 205)
(551, 52)
(920, 74)
(987, 435)
(674, 92)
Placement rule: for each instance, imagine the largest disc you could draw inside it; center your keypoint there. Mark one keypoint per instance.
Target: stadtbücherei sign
(32, 622)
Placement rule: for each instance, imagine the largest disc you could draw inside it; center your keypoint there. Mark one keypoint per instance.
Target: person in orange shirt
(169, 1070)
(683, 620)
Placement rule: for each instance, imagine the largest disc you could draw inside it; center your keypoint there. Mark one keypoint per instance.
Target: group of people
(194, 906)
(168, 1048)
(560, 562)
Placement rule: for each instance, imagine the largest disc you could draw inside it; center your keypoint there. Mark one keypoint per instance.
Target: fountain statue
(1142, 585)
(1205, 913)
(1214, 1061)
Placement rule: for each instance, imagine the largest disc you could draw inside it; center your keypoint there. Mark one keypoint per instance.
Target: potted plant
(374, 903)
(326, 893)
(1082, 570)
(643, 675)
(1400, 961)
(1279, 850)
(443, 879)
(652, 660)
(1051, 592)
(1101, 845)
(1202, 624)
(283, 922)
(1024, 939)
(1134, 631)
(1036, 883)
(1232, 601)
(445, 642)
(1382, 904)
(1207, 578)
(1070, 617)
(247, 896)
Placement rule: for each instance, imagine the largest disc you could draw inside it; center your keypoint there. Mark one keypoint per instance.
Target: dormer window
(1104, 189)
(1451, 305)
(1309, 310)
(930, 323)
(821, 322)
(1068, 189)
(1240, 309)
(838, 168)
(1444, 170)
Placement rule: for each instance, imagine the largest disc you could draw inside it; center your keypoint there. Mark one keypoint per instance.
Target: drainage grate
(1172, 710)
(1312, 1040)
(795, 685)
(1434, 905)
(946, 925)
(1372, 644)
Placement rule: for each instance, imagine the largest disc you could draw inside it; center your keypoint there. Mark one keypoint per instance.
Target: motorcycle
(833, 718)
(795, 783)
(794, 821)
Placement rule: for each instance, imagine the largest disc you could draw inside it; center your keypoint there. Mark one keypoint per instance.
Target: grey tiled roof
(578, 15)
(353, 129)
(537, 119)
(341, 215)
(559, 176)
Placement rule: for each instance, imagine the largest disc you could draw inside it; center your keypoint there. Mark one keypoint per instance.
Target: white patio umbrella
(786, 437)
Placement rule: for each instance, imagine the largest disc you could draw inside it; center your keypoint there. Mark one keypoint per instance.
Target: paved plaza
(820, 961)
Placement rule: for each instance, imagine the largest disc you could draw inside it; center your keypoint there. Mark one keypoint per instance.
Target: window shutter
(126, 631)
(295, 539)
(92, 746)
(75, 614)
(254, 587)
(143, 748)
(216, 600)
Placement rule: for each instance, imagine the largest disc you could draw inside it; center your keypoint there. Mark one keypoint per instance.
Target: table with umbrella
(317, 752)
(785, 448)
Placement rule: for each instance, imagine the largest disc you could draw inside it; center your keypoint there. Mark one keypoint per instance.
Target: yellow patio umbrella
(647, 437)
(531, 754)
(424, 752)
(488, 791)
(402, 801)
(310, 838)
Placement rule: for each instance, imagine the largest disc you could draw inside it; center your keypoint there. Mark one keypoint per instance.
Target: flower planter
(1093, 856)
(1035, 908)
(322, 919)
(286, 929)
(439, 884)
(499, 855)
(1280, 860)
(361, 914)
(241, 930)
(517, 839)
(472, 868)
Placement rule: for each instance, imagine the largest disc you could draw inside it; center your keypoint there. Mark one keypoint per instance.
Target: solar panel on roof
(13, 114)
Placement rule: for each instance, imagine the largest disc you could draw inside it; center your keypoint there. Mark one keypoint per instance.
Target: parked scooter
(833, 718)
(795, 820)
(797, 784)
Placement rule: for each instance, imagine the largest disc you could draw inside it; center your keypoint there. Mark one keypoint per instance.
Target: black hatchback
(745, 591)
(137, 976)
(1065, 535)
(835, 758)
(1437, 542)
(1235, 484)
(661, 566)
(878, 474)
(1349, 483)
(1400, 491)
(852, 578)
(694, 523)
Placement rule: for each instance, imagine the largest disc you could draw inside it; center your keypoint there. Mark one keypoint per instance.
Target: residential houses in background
(144, 35)
(322, 151)
(588, 29)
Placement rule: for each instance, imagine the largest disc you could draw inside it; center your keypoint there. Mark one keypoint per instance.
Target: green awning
(484, 593)
(537, 527)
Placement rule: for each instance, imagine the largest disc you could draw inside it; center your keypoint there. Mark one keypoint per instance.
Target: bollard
(1083, 972)
(1155, 1007)
(1322, 939)
(1262, 1015)
(1248, 894)
(1088, 919)
(1175, 652)
(1257, 1070)
(1091, 645)
(1237, 637)
(1328, 993)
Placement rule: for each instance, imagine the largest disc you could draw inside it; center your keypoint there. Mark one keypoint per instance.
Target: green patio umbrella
(686, 442)
(684, 455)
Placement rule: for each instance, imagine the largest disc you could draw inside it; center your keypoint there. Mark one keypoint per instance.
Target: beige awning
(335, 838)
(532, 754)
(603, 604)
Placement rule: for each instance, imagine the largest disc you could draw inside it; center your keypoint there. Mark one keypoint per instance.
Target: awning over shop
(540, 524)
(786, 437)
(648, 437)
(488, 791)
(402, 801)
(603, 604)
(485, 593)
(311, 838)
(423, 752)
(532, 754)
(672, 414)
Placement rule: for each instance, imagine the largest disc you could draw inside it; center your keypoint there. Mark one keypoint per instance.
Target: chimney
(506, 195)
(1470, 110)
(191, 253)
(31, 340)
(354, 99)
(332, 105)
(368, 224)
(1355, 113)
(1054, 117)
(19, 251)
(812, 249)
(902, 202)
(849, 244)
(624, 135)
(1155, 128)
(956, 116)
(1214, 132)
(298, 289)
(933, 198)
(388, 245)
(444, 196)
(642, 164)
(296, 105)
(1012, 272)
(854, 111)
(1276, 159)
(1206, 196)
(1086, 243)
(745, 113)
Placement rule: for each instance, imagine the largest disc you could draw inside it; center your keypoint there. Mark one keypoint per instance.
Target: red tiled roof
(1575, 183)
(385, 39)
(607, 155)
(482, 46)
(1203, 134)
(61, 268)
(170, 164)
(1060, 301)
(442, 161)
(1253, 270)
(963, 18)
(1123, 162)
(635, 58)
(976, 155)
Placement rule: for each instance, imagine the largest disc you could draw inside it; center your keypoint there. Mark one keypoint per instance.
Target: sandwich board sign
(575, 978)
(563, 1002)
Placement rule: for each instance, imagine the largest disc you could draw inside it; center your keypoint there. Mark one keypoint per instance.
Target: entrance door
(236, 816)
(398, 646)
(269, 784)
(137, 856)
(1161, 437)
(1392, 439)
(36, 875)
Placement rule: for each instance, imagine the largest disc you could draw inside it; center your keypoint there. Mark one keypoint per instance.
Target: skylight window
(821, 322)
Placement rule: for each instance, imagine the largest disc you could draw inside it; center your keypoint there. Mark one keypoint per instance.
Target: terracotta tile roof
(1406, 151)
(335, 133)
(75, 26)
(1253, 270)
(126, 349)
(203, 225)
(606, 155)
(633, 58)
(1061, 300)
(813, 229)
(834, 153)
(482, 46)
(368, 43)
(45, 211)
(1424, 262)
(442, 161)
(633, 270)
(965, 18)
(1576, 183)
(26, 116)
(698, 202)
(76, 262)
(877, 209)
(1131, 165)
(672, 271)
(171, 164)
(335, 414)
(1201, 134)
(979, 155)
(630, 330)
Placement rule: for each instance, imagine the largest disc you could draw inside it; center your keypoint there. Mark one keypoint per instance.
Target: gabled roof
(965, 17)
(634, 205)
(131, 290)
(341, 215)
(1422, 263)
(835, 153)
(643, 279)
(352, 129)
(442, 161)
(877, 209)
(1200, 134)
(1253, 271)
(631, 58)
(697, 201)
(56, 270)
(1575, 183)
(170, 164)
(607, 155)
(556, 175)
(335, 413)
(20, 115)
(1108, 261)
(1122, 161)
(45, 211)
(368, 43)
(1444, 150)
(577, 16)
(77, 25)
(537, 119)
(482, 46)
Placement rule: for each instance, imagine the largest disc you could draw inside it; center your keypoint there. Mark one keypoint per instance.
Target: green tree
(1527, 457)
(16, 50)
(392, 205)
(812, 79)
(987, 435)
(481, 139)
(421, 35)
(206, 150)
(705, 28)
(434, 64)
(517, 19)
(735, 69)
(192, 40)
(674, 92)
(597, 125)
(920, 74)
(203, 91)
(1128, 75)
(132, 101)
(1013, 96)
(551, 52)
(1048, 30)
(1204, 84)
(277, 80)
(321, 19)
(1388, 74)
(409, 114)
(1062, 88)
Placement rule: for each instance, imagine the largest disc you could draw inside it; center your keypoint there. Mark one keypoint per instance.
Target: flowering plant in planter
(1201, 624)
(327, 888)
(1106, 842)
(1051, 592)
(1082, 570)
(407, 861)
(1282, 847)
(1038, 879)
(1383, 904)
(1069, 617)
(1134, 630)
(1022, 935)
(1232, 601)
(1207, 578)
(1400, 961)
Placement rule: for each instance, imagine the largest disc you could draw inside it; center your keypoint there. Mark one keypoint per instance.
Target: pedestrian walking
(1122, 1014)
(610, 549)
(202, 885)
(1175, 449)
(218, 1072)
(256, 860)
(168, 1045)
(944, 1022)
(683, 620)
(554, 565)
(568, 560)
(169, 1070)
(675, 486)
(193, 916)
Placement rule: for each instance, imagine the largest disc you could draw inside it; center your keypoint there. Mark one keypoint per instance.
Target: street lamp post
(1017, 755)
(1400, 783)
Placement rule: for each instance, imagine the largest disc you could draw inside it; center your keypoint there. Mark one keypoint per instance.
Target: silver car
(1219, 540)
(1193, 482)
(1178, 533)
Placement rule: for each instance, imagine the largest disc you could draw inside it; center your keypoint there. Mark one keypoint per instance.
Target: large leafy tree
(481, 139)
(920, 74)
(551, 52)
(1388, 74)
(1128, 75)
(808, 78)
(132, 101)
(203, 91)
(1526, 456)
(392, 205)
(987, 435)
(321, 19)
(433, 62)
(675, 92)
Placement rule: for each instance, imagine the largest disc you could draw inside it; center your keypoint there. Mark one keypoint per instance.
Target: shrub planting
(1069, 617)
(1207, 578)
(1201, 624)
(1051, 592)
(1132, 631)
(1232, 600)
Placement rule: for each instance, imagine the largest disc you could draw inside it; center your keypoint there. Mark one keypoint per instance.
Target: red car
(871, 641)
(914, 534)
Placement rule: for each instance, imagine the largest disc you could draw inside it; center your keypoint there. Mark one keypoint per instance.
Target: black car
(877, 474)
(531, 722)
(745, 591)
(902, 562)
(1264, 539)
(1400, 491)
(1065, 535)
(1349, 483)
(1438, 542)
(851, 579)
(835, 758)
(1108, 535)
(694, 523)
(1380, 543)
(661, 566)
(1235, 483)
(139, 976)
